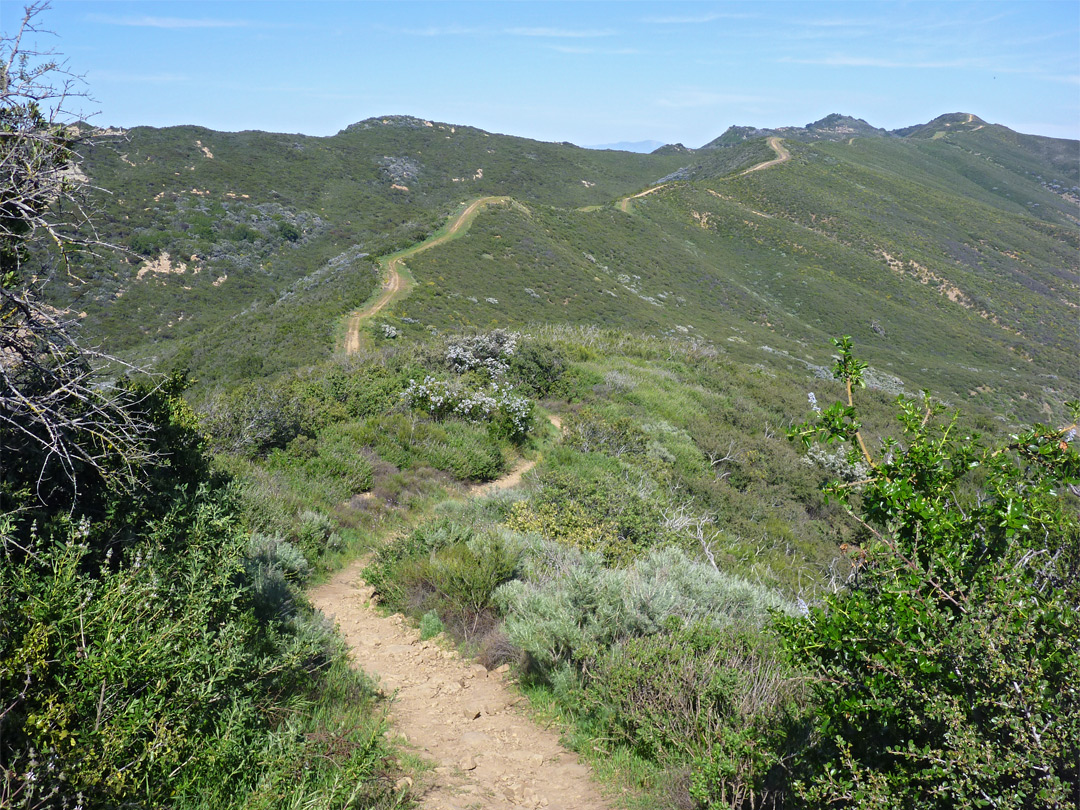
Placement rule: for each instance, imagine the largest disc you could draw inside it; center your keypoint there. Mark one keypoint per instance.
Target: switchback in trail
(397, 285)
(782, 156)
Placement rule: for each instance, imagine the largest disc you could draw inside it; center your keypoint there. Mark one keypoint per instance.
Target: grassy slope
(782, 258)
(791, 255)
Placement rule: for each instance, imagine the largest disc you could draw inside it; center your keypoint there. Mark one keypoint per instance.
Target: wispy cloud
(1059, 79)
(693, 19)
(444, 31)
(591, 51)
(842, 60)
(561, 33)
(549, 33)
(837, 22)
(168, 22)
(704, 98)
(124, 77)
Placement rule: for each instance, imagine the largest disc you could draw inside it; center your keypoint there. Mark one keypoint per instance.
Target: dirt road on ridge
(396, 286)
(624, 203)
(782, 156)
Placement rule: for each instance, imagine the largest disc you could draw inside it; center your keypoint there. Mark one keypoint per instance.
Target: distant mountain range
(643, 147)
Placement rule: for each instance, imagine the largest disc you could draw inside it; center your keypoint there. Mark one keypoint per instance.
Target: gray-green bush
(573, 607)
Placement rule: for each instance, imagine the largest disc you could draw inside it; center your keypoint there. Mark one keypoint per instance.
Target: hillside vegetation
(949, 251)
(739, 561)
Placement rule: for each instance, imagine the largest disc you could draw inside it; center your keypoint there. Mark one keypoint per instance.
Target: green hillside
(252, 220)
(941, 276)
(950, 252)
(569, 445)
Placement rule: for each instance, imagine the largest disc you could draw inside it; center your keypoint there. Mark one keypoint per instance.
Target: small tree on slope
(56, 424)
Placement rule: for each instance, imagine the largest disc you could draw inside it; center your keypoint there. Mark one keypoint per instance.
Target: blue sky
(580, 71)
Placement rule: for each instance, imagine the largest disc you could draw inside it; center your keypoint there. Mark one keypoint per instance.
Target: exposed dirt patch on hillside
(162, 265)
(943, 286)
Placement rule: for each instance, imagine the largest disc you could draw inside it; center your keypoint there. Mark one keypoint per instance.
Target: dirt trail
(508, 481)
(397, 286)
(487, 753)
(391, 290)
(782, 156)
(624, 203)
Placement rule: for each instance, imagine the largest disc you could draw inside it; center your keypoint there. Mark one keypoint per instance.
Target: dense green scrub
(153, 652)
(928, 663)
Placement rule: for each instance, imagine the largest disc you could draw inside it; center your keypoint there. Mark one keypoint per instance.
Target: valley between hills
(423, 466)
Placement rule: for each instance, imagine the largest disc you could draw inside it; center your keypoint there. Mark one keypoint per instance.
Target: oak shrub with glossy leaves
(945, 674)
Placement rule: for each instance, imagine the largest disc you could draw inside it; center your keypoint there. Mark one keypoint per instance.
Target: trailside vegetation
(943, 675)
(153, 653)
(732, 610)
(932, 664)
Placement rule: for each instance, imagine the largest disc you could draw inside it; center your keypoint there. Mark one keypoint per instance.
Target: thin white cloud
(695, 19)
(174, 23)
(906, 23)
(838, 22)
(589, 51)
(841, 60)
(464, 30)
(443, 31)
(561, 33)
(1060, 79)
(123, 77)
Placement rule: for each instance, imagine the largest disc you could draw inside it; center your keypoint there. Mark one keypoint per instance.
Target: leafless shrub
(496, 649)
(58, 417)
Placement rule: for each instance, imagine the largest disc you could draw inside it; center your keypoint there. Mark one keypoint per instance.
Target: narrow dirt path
(392, 289)
(397, 286)
(782, 156)
(508, 481)
(487, 753)
(624, 203)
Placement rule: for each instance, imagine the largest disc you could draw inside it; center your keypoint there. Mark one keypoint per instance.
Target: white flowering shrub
(487, 351)
(497, 404)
